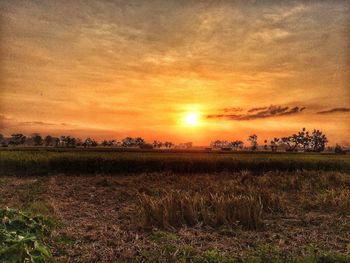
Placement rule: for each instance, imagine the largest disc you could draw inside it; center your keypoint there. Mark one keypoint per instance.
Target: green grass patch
(84, 162)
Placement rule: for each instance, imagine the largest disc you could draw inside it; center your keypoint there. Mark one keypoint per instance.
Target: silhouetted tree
(37, 139)
(109, 143)
(3, 142)
(157, 144)
(168, 144)
(274, 144)
(68, 141)
(56, 141)
(265, 145)
(253, 139)
(235, 145)
(78, 142)
(139, 141)
(303, 140)
(17, 139)
(89, 143)
(48, 140)
(218, 144)
(338, 149)
(318, 141)
(128, 142)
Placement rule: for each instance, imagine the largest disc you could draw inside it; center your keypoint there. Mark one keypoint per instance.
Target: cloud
(334, 110)
(260, 113)
(29, 123)
(232, 109)
(257, 109)
(6, 122)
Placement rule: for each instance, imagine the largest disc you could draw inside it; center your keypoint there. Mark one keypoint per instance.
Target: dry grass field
(300, 216)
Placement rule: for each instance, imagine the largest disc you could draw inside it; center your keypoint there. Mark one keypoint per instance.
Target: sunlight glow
(191, 119)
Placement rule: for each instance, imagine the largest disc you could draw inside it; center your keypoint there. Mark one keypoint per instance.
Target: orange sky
(109, 69)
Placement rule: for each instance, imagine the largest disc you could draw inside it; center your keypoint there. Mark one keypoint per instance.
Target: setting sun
(191, 119)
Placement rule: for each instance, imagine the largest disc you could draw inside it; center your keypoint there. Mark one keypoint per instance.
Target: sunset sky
(175, 70)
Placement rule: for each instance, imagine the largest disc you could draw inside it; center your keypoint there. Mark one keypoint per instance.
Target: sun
(191, 119)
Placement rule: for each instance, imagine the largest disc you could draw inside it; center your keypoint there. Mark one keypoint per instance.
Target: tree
(17, 139)
(89, 143)
(168, 144)
(127, 142)
(318, 141)
(235, 145)
(265, 145)
(157, 144)
(253, 139)
(48, 140)
(106, 143)
(274, 144)
(338, 149)
(290, 142)
(68, 141)
(139, 141)
(303, 140)
(78, 142)
(218, 144)
(37, 139)
(3, 141)
(56, 141)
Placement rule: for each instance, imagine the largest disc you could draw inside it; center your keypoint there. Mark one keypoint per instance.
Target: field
(184, 207)
(97, 161)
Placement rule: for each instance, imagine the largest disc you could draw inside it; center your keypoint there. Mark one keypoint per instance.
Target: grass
(166, 248)
(43, 162)
(178, 208)
(185, 207)
(225, 217)
(244, 199)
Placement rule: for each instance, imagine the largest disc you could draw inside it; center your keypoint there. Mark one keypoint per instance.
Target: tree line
(69, 141)
(303, 140)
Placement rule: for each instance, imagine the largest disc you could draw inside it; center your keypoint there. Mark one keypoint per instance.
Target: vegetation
(167, 249)
(253, 139)
(299, 216)
(178, 208)
(73, 161)
(22, 237)
(302, 141)
(338, 149)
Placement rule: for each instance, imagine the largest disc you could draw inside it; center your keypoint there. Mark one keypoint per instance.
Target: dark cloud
(260, 113)
(257, 109)
(28, 123)
(334, 110)
(232, 109)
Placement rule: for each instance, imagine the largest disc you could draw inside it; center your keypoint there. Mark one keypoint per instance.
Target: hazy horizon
(175, 70)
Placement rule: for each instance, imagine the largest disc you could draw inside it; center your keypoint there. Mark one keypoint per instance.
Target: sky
(111, 69)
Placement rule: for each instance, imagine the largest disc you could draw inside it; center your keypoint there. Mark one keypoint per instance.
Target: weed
(22, 235)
